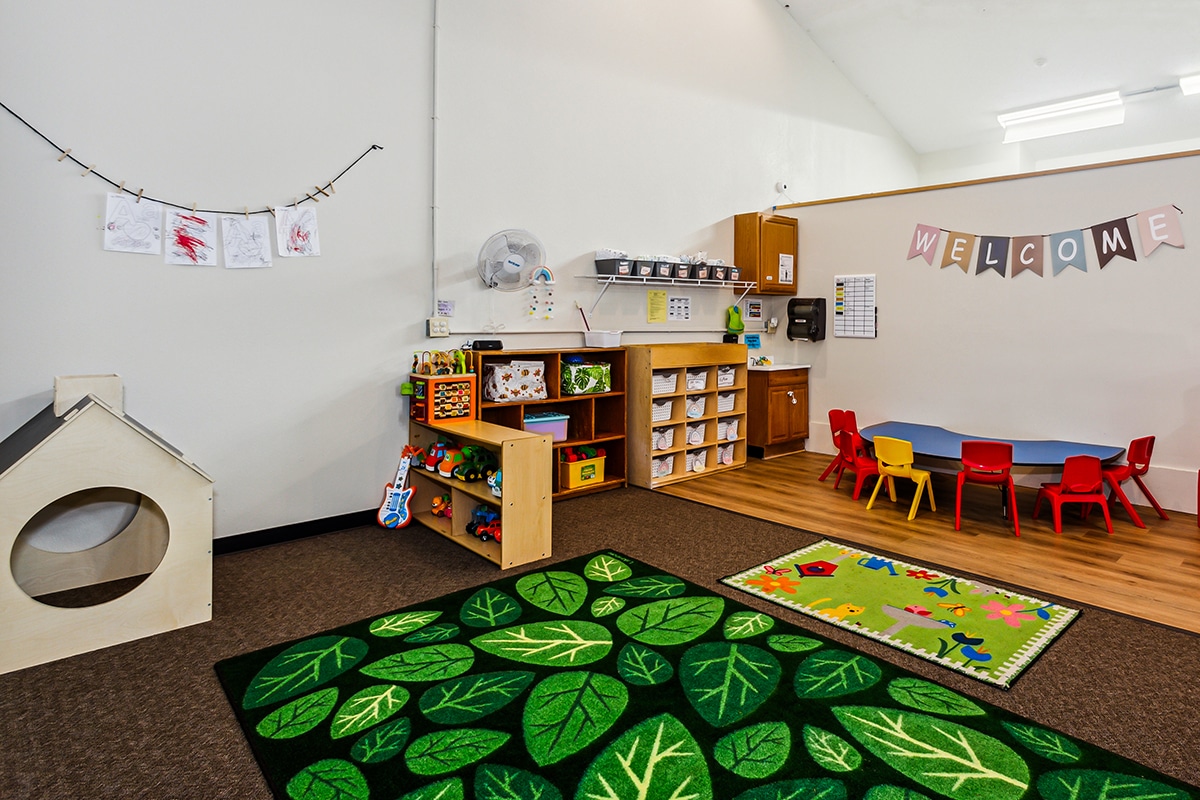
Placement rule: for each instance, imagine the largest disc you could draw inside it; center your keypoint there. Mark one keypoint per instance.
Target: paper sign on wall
(786, 265)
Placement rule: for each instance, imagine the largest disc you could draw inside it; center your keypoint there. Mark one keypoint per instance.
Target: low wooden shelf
(525, 504)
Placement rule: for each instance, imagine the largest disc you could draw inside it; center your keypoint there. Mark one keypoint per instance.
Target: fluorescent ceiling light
(1190, 84)
(1068, 116)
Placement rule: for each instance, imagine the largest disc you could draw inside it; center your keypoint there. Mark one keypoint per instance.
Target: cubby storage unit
(593, 420)
(687, 411)
(524, 506)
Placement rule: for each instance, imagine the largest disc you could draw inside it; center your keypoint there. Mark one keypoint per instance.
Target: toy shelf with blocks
(593, 420)
(687, 411)
(524, 505)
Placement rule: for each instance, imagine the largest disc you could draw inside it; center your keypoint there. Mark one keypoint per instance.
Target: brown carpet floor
(148, 719)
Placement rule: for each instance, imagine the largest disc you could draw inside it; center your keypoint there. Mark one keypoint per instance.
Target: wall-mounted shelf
(745, 287)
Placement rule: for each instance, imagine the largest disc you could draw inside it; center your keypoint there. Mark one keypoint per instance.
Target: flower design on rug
(769, 583)
(1011, 615)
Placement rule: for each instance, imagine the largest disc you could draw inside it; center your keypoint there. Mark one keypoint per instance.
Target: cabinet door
(778, 255)
(787, 413)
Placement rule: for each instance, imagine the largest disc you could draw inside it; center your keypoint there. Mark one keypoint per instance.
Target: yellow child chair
(895, 458)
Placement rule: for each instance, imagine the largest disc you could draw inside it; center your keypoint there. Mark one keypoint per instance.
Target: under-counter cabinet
(524, 507)
(778, 403)
(593, 419)
(687, 411)
(765, 248)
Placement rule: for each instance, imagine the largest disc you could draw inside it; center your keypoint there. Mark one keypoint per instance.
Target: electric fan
(508, 258)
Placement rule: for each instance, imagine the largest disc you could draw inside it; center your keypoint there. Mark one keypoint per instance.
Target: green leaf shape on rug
(437, 662)
(603, 606)
(566, 643)
(403, 623)
(889, 792)
(726, 681)
(568, 711)
(755, 751)
(366, 709)
(445, 751)
(559, 593)
(790, 643)
(926, 696)
(833, 673)
(657, 759)
(383, 743)
(449, 789)
(441, 632)
(299, 716)
(649, 586)
(496, 782)
(606, 569)
(744, 624)
(472, 697)
(1045, 743)
(673, 621)
(330, 779)
(941, 755)
(641, 666)
(830, 750)
(803, 789)
(1094, 784)
(303, 667)
(489, 608)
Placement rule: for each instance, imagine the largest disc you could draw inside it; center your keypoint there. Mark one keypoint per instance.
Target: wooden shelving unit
(596, 420)
(524, 507)
(706, 423)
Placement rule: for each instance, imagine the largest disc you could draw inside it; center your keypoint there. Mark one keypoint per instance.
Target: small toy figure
(442, 507)
(495, 482)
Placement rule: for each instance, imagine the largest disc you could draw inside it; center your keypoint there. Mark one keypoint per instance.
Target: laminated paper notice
(656, 305)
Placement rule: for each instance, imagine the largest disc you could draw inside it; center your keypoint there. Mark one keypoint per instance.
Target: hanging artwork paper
(246, 240)
(131, 226)
(191, 238)
(296, 231)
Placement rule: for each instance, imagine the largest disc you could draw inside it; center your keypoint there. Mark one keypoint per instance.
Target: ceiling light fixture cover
(1068, 116)
(1190, 84)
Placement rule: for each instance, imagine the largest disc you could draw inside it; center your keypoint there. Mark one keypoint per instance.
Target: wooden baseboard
(288, 533)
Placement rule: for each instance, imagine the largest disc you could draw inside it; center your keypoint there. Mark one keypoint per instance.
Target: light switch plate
(437, 327)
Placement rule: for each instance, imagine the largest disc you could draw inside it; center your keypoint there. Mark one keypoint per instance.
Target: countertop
(775, 367)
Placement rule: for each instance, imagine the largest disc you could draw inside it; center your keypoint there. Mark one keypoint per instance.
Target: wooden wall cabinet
(765, 247)
(778, 419)
(524, 506)
(596, 420)
(687, 411)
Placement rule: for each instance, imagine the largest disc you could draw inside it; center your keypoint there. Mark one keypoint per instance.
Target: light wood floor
(1153, 573)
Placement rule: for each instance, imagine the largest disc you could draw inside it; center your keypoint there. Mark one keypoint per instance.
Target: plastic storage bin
(696, 460)
(573, 474)
(662, 438)
(725, 454)
(725, 403)
(663, 382)
(661, 411)
(727, 430)
(548, 422)
(662, 467)
(695, 434)
(696, 381)
(695, 406)
(726, 376)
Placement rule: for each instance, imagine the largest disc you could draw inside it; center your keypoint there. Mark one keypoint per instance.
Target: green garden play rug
(603, 677)
(988, 633)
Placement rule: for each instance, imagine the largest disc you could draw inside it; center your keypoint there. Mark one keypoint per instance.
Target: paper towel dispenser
(806, 318)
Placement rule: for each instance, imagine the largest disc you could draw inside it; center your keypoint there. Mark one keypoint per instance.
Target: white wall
(644, 126)
(1102, 356)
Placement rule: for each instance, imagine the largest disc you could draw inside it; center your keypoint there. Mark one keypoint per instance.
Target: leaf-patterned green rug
(968, 626)
(603, 678)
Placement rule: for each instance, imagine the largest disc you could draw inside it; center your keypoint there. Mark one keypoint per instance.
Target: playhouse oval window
(89, 547)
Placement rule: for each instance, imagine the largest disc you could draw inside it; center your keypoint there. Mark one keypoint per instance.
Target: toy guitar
(396, 510)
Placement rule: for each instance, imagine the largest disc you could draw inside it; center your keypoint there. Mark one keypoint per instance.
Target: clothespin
(322, 191)
(310, 197)
(121, 188)
(246, 209)
(193, 208)
(271, 210)
(86, 171)
(295, 203)
(332, 188)
(140, 195)
(65, 153)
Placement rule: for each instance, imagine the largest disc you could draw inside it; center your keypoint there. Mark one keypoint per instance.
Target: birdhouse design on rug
(107, 528)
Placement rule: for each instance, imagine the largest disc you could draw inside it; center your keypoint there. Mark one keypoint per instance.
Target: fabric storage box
(586, 378)
(695, 433)
(573, 474)
(726, 376)
(695, 406)
(614, 266)
(661, 411)
(514, 381)
(725, 403)
(662, 467)
(696, 460)
(548, 422)
(662, 438)
(727, 430)
(696, 381)
(725, 454)
(663, 382)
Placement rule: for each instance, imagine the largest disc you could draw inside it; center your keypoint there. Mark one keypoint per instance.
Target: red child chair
(855, 459)
(991, 463)
(1137, 464)
(1082, 482)
(837, 424)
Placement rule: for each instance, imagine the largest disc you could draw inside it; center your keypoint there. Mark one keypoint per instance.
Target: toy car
(482, 515)
(449, 461)
(437, 451)
(442, 507)
(489, 530)
(478, 464)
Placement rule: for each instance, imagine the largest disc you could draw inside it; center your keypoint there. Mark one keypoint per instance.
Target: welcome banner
(1012, 255)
